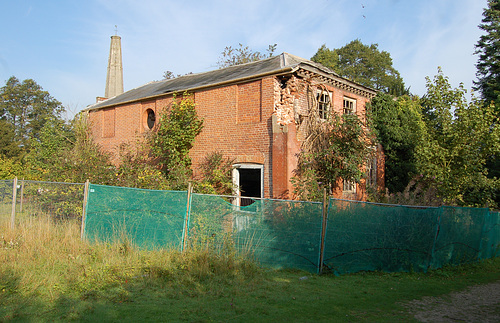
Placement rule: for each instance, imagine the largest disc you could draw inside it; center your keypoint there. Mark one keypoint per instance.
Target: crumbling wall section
(286, 92)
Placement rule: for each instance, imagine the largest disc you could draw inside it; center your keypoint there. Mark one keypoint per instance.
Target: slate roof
(281, 64)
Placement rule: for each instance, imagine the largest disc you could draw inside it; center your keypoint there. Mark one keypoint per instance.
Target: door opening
(248, 180)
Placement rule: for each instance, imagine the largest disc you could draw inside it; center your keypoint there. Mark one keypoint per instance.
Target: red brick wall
(249, 102)
(237, 123)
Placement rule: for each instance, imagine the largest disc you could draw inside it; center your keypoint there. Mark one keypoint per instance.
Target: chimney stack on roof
(114, 78)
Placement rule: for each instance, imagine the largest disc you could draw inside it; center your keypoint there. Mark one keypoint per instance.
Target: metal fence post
(323, 231)
(436, 236)
(186, 221)
(14, 198)
(84, 212)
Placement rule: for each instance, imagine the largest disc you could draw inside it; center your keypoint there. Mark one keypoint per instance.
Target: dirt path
(479, 303)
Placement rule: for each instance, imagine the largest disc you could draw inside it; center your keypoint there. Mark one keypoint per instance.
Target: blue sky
(64, 45)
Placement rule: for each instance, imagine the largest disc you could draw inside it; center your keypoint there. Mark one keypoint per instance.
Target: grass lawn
(48, 274)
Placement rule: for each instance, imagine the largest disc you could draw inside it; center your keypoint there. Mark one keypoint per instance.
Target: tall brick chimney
(114, 78)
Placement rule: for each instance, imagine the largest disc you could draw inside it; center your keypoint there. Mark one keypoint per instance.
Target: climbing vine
(170, 144)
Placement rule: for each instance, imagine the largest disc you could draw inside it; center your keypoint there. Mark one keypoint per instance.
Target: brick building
(253, 113)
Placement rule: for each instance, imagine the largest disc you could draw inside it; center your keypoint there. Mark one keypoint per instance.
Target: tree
(46, 158)
(461, 137)
(170, 144)
(366, 65)
(243, 54)
(332, 151)
(169, 75)
(9, 147)
(215, 175)
(27, 108)
(488, 49)
(400, 129)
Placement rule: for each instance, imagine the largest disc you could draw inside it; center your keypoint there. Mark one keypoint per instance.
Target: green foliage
(326, 57)
(241, 55)
(307, 185)
(46, 158)
(9, 147)
(488, 47)
(170, 144)
(10, 168)
(68, 153)
(215, 175)
(419, 191)
(364, 64)
(460, 140)
(400, 129)
(27, 108)
(137, 169)
(333, 150)
(169, 75)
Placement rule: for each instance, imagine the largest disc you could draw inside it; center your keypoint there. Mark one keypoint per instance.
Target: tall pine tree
(488, 49)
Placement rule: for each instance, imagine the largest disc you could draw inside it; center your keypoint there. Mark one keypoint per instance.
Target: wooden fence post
(186, 221)
(323, 231)
(14, 198)
(84, 212)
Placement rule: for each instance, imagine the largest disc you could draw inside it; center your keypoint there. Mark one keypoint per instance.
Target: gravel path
(479, 303)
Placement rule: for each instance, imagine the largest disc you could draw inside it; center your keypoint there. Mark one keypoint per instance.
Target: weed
(52, 275)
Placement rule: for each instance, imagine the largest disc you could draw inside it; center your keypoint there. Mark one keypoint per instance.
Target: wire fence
(336, 236)
(25, 199)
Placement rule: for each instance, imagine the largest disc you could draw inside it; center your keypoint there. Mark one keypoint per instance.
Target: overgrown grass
(48, 274)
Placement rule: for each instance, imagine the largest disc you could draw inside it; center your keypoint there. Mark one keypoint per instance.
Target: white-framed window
(324, 102)
(349, 186)
(349, 106)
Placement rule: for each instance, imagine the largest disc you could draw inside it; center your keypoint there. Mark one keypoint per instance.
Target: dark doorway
(250, 184)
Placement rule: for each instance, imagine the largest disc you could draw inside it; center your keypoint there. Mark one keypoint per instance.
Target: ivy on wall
(174, 137)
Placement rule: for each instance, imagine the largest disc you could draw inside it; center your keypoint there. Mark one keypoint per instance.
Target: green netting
(359, 236)
(287, 235)
(146, 218)
(490, 243)
(365, 236)
(276, 233)
(459, 237)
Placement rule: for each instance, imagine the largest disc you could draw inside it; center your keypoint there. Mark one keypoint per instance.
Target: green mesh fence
(460, 236)
(276, 233)
(359, 236)
(490, 243)
(366, 236)
(284, 234)
(146, 218)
